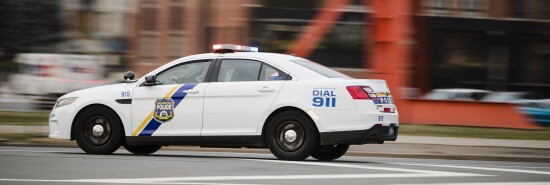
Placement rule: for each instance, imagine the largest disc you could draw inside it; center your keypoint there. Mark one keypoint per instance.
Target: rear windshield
(318, 68)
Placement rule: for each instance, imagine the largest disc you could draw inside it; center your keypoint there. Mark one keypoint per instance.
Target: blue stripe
(178, 96)
(151, 127)
(376, 100)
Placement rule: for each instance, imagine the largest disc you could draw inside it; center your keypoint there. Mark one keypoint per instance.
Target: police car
(233, 97)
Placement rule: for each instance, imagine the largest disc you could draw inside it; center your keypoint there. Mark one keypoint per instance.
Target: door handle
(266, 89)
(190, 91)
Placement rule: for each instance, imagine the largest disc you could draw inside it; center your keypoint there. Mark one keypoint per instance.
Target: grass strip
(24, 118)
(21, 136)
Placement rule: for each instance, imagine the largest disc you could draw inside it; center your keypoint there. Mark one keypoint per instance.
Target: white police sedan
(231, 98)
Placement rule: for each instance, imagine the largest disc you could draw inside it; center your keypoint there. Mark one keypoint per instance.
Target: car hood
(93, 90)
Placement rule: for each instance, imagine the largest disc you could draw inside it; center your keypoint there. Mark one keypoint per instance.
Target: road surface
(48, 165)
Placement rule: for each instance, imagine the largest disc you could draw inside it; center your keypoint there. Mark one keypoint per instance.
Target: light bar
(234, 47)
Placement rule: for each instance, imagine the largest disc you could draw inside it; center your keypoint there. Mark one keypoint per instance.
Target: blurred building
(96, 26)
(499, 45)
(168, 29)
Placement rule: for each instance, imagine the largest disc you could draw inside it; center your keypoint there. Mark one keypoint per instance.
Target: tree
(25, 24)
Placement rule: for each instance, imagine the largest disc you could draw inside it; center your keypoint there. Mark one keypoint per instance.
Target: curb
(453, 157)
(72, 144)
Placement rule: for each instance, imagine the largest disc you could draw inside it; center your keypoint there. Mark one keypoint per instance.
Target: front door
(172, 107)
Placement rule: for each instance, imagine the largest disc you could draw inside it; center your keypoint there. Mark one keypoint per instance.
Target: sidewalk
(405, 147)
(480, 142)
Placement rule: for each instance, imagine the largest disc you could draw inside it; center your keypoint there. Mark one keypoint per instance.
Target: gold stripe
(382, 95)
(172, 91)
(143, 124)
(136, 132)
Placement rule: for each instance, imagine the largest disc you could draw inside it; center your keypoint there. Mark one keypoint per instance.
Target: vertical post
(389, 49)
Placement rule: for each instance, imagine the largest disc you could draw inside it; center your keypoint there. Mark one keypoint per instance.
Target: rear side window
(268, 73)
(239, 70)
(318, 68)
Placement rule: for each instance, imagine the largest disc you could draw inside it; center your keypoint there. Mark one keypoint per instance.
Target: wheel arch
(282, 109)
(90, 106)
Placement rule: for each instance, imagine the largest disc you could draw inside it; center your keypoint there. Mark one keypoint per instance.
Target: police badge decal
(164, 110)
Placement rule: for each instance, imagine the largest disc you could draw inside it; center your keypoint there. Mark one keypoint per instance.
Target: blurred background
(490, 57)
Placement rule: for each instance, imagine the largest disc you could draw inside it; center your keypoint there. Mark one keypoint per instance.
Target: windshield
(318, 68)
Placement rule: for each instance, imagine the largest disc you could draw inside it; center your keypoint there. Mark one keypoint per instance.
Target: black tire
(143, 149)
(304, 131)
(90, 140)
(330, 152)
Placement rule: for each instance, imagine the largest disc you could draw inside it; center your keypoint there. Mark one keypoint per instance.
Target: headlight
(64, 101)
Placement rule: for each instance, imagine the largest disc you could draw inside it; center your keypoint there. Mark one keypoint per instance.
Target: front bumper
(60, 122)
(376, 134)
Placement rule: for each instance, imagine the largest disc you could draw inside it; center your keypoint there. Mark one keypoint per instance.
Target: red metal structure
(319, 26)
(389, 50)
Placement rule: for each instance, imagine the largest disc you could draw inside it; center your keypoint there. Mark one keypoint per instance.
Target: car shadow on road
(212, 155)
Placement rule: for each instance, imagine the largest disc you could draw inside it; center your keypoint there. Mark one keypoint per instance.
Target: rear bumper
(376, 134)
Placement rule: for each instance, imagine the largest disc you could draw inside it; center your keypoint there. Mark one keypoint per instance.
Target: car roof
(245, 54)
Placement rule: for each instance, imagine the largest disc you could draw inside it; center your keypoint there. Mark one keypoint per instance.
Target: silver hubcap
(290, 136)
(97, 130)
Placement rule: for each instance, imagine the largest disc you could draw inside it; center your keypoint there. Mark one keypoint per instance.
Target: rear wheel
(330, 152)
(98, 131)
(143, 149)
(291, 135)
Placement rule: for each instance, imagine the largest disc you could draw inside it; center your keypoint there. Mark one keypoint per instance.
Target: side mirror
(129, 75)
(150, 80)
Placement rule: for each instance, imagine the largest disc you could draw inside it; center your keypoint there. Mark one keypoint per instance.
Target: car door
(174, 105)
(240, 93)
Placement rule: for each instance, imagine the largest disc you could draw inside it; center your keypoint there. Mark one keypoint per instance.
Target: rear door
(240, 93)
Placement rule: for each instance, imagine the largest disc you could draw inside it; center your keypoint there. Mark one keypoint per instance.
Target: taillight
(357, 92)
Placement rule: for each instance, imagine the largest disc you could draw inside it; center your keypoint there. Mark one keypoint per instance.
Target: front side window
(193, 72)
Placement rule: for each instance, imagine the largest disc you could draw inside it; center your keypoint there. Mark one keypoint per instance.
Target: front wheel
(98, 130)
(291, 135)
(143, 149)
(330, 152)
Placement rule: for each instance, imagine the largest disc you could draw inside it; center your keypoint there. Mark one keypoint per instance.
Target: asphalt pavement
(51, 165)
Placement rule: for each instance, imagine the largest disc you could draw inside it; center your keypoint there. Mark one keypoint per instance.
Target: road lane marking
(478, 168)
(115, 182)
(172, 180)
(491, 183)
(275, 177)
(505, 166)
(351, 158)
(335, 164)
